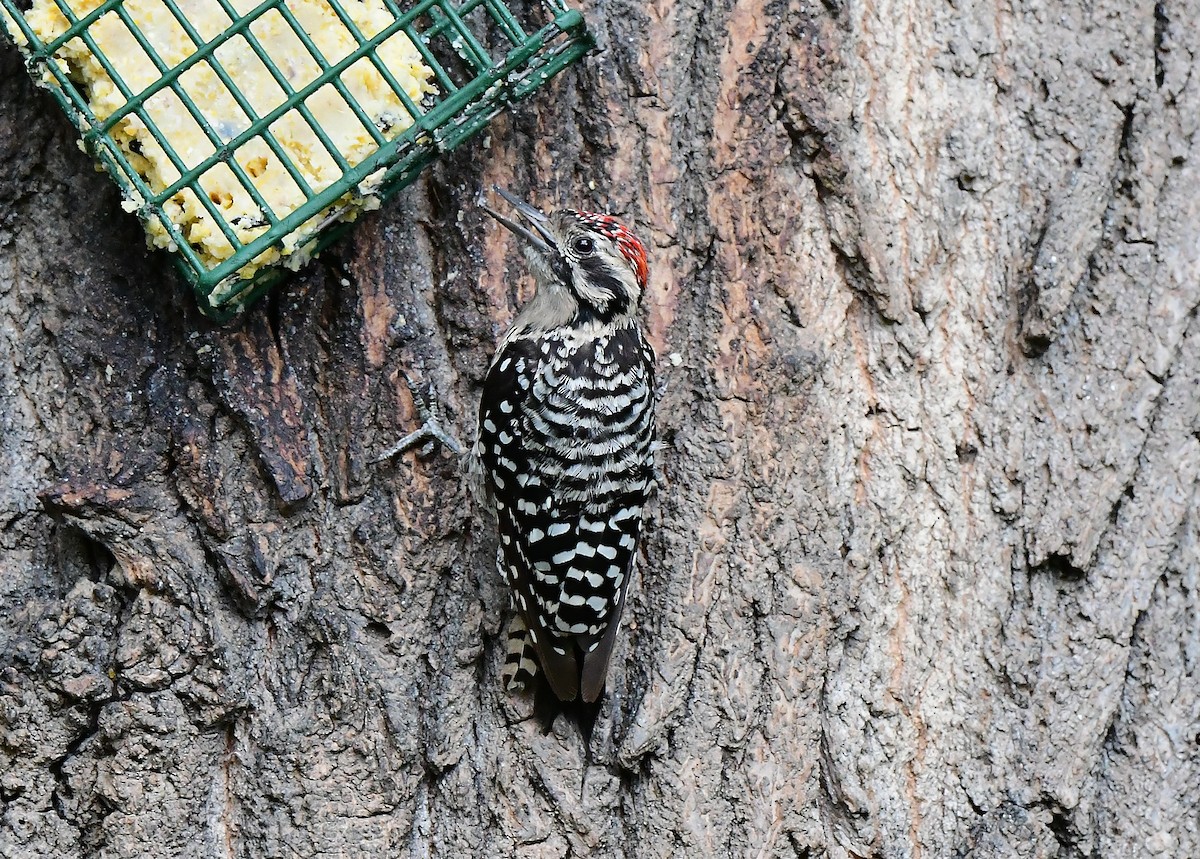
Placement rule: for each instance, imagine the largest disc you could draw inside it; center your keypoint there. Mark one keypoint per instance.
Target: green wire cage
(247, 134)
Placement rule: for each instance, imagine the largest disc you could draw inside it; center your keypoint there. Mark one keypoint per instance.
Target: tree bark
(923, 578)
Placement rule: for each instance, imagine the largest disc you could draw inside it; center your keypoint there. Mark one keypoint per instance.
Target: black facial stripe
(562, 270)
(600, 275)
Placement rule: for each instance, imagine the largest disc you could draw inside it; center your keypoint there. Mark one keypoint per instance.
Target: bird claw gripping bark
(565, 446)
(431, 431)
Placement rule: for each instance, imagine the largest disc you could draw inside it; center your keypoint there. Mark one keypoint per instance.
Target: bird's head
(589, 268)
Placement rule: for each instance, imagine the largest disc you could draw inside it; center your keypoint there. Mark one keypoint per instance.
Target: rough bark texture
(923, 579)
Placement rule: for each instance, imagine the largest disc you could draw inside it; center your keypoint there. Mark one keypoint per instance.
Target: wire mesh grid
(402, 84)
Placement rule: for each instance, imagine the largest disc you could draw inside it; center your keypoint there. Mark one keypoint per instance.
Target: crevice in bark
(1126, 163)
(82, 551)
(1161, 22)
(79, 551)
(1063, 827)
(837, 807)
(62, 793)
(229, 798)
(631, 797)
(1060, 567)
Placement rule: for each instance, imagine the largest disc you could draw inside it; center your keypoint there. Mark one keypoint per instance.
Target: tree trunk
(923, 578)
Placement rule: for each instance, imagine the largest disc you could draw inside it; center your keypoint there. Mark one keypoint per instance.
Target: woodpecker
(565, 445)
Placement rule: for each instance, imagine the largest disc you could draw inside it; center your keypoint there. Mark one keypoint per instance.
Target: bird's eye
(583, 245)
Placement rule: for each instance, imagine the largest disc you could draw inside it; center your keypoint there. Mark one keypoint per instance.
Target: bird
(565, 447)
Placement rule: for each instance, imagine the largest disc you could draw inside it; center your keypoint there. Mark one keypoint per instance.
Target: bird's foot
(431, 431)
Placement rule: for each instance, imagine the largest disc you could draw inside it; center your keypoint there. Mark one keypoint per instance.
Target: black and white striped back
(565, 444)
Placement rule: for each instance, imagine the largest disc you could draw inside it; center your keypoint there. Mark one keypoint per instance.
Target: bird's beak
(540, 238)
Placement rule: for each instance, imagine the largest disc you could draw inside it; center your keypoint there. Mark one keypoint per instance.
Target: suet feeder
(247, 135)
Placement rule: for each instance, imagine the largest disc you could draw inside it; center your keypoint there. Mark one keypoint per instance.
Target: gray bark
(924, 575)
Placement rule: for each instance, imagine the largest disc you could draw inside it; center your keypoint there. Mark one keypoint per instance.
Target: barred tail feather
(520, 662)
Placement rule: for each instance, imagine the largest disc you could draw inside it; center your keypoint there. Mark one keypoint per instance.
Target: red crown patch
(629, 245)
